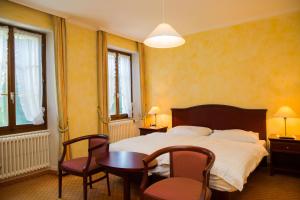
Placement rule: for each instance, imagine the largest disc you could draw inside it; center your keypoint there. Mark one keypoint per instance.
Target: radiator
(122, 129)
(23, 153)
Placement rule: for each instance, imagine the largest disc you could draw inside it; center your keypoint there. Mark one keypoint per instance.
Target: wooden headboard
(221, 117)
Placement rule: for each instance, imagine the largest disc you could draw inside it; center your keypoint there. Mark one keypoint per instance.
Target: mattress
(215, 182)
(229, 173)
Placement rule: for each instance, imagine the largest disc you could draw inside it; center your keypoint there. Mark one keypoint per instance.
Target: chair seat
(175, 188)
(77, 164)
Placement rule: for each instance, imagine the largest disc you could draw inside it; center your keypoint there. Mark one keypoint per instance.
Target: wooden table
(284, 154)
(125, 164)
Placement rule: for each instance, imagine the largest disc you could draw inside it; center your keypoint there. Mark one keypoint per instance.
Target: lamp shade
(285, 112)
(164, 36)
(154, 110)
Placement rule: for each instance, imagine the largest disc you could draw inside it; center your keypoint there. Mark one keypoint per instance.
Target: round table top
(126, 161)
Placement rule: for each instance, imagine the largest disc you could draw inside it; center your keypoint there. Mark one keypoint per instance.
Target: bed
(228, 173)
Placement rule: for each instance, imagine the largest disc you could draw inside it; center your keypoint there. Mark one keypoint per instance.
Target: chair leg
(85, 188)
(90, 182)
(59, 183)
(107, 182)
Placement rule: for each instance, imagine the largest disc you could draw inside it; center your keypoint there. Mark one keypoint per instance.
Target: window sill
(121, 120)
(23, 129)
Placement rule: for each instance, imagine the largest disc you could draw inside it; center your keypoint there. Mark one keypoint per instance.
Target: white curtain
(125, 84)
(3, 75)
(112, 83)
(28, 72)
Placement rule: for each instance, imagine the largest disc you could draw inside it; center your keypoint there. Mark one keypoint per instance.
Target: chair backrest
(99, 146)
(188, 163)
(185, 161)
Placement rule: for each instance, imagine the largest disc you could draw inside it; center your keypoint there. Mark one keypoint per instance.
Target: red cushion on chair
(77, 164)
(176, 188)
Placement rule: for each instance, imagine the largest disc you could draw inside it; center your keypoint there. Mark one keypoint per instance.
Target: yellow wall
(82, 84)
(82, 80)
(25, 15)
(252, 65)
(120, 42)
(81, 55)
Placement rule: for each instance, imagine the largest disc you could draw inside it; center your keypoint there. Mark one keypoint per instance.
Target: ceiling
(135, 19)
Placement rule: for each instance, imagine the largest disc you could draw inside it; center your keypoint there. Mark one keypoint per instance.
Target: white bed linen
(218, 183)
(262, 143)
(215, 182)
(234, 160)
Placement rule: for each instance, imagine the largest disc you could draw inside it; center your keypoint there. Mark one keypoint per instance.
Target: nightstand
(284, 155)
(148, 130)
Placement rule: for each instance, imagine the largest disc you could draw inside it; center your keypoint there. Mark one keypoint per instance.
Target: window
(119, 84)
(22, 80)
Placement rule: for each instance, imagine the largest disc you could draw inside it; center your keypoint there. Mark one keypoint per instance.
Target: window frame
(12, 128)
(119, 115)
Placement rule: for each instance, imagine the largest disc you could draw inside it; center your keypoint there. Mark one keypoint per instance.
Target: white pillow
(236, 135)
(190, 130)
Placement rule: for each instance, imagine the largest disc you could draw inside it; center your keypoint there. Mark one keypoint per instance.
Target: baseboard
(24, 177)
(54, 168)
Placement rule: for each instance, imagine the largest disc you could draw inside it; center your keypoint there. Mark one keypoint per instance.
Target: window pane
(112, 83)
(3, 77)
(28, 78)
(125, 85)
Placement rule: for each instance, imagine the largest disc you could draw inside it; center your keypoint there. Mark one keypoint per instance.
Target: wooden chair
(85, 167)
(189, 174)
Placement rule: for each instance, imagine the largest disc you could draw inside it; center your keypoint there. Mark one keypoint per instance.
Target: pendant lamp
(164, 35)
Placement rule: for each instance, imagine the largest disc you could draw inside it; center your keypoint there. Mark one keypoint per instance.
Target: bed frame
(221, 117)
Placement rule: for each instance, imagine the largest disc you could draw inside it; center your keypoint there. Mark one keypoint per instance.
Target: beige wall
(252, 65)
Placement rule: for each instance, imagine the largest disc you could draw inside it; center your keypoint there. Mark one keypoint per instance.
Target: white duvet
(234, 160)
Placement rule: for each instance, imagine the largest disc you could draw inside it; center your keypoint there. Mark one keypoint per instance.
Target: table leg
(126, 188)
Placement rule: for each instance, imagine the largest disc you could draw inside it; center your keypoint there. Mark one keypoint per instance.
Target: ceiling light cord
(163, 11)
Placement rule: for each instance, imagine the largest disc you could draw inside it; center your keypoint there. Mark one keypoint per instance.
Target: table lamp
(285, 112)
(153, 111)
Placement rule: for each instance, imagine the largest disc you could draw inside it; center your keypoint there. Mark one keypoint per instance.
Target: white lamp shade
(154, 110)
(285, 112)
(164, 36)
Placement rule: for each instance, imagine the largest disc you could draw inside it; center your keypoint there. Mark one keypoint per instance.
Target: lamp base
(286, 138)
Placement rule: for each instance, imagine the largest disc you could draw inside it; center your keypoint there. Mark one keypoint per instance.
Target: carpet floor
(260, 186)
